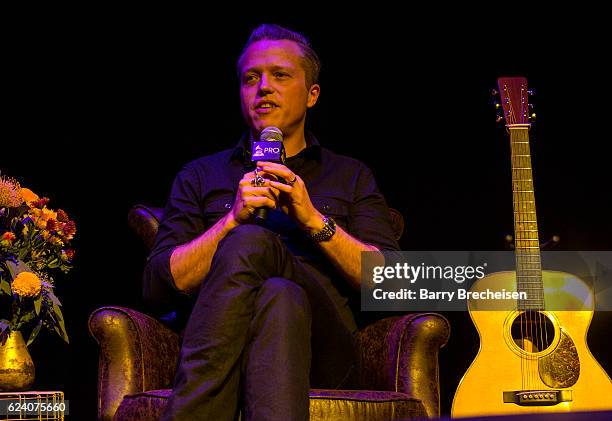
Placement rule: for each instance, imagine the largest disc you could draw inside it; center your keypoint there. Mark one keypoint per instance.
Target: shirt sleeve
(369, 218)
(183, 221)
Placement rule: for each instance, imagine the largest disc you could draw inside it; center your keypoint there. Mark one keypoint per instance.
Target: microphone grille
(271, 134)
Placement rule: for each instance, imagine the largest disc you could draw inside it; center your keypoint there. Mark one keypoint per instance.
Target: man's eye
(281, 75)
(250, 78)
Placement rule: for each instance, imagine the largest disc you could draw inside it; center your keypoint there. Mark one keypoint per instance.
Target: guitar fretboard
(527, 244)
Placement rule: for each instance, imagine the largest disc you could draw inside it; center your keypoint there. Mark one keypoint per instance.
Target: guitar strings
(529, 256)
(531, 212)
(533, 319)
(510, 119)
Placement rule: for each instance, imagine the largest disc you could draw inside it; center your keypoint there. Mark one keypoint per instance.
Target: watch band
(327, 232)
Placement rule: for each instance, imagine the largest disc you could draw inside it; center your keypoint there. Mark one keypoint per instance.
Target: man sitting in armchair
(269, 300)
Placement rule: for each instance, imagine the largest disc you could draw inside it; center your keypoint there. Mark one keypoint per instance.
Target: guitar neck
(527, 244)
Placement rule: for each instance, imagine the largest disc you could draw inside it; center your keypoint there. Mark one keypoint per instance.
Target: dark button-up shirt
(205, 189)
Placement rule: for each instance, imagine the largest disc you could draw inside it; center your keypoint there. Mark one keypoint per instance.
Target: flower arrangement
(34, 245)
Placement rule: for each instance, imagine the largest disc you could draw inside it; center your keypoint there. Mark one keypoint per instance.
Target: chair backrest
(144, 221)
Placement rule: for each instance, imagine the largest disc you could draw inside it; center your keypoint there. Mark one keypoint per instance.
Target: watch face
(332, 225)
(329, 229)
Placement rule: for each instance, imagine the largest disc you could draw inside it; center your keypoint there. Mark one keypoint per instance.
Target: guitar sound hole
(532, 331)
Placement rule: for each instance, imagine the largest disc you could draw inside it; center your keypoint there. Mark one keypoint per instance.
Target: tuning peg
(553, 242)
(509, 239)
(494, 92)
(532, 117)
(499, 118)
(531, 92)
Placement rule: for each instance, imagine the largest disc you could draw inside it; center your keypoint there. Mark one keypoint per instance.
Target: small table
(33, 405)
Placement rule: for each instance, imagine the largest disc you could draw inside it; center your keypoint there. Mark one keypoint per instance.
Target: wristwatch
(327, 232)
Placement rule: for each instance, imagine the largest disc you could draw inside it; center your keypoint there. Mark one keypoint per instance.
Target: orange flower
(28, 195)
(27, 284)
(7, 239)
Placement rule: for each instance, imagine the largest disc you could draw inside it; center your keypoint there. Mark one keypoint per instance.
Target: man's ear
(313, 95)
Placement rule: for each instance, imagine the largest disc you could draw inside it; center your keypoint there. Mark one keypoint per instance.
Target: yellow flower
(41, 216)
(28, 195)
(56, 241)
(27, 284)
(10, 193)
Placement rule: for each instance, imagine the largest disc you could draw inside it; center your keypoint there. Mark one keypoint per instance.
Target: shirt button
(228, 205)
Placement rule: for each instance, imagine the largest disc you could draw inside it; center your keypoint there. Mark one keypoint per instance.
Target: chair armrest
(144, 221)
(401, 354)
(137, 353)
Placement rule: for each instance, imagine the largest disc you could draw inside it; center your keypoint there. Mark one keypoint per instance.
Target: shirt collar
(242, 150)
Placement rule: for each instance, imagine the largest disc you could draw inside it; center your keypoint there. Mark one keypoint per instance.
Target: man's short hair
(310, 60)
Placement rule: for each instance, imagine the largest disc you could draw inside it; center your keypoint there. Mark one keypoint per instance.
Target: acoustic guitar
(533, 355)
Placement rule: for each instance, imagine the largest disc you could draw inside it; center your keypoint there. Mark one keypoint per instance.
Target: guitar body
(551, 359)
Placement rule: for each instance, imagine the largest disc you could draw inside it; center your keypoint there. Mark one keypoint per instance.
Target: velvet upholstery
(325, 405)
(397, 377)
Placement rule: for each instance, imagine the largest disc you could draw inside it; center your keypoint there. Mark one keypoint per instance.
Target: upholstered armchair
(398, 376)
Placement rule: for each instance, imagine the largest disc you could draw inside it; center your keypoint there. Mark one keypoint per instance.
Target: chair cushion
(363, 405)
(146, 406)
(325, 404)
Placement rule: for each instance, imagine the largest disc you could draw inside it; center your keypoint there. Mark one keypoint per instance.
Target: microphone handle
(261, 214)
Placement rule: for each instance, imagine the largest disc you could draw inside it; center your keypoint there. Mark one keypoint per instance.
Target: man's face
(273, 86)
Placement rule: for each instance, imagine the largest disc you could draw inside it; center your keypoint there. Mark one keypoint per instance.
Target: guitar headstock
(515, 105)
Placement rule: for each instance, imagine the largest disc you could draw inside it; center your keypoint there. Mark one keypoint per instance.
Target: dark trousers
(263, 326)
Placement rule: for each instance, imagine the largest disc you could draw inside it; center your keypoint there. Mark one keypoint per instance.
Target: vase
(16, 365)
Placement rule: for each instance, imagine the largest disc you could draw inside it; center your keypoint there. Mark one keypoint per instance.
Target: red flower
(7, 239)
(40, 203)
(8, 236)
(69, 254)
(69, 229)
(62, 216)
(52, 225)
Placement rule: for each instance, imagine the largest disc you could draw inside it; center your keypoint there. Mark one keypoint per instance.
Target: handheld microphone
(268, 148)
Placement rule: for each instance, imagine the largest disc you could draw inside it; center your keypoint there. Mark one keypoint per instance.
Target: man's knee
(249, 236)
(287, 300)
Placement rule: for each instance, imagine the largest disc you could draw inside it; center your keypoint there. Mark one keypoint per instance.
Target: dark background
(103, 108)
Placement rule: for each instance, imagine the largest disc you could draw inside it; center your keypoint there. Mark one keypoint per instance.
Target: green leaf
(4, 325)
(55, 300)
(17, 268)
(61, 331)
(60, 323)
(37, 304)
(34, 333)
(26, 318)
(5, 286)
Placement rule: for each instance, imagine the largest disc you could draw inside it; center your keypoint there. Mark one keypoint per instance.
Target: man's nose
(264, 86)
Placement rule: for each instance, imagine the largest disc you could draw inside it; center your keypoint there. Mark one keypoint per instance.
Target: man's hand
(250, 197)
(294, 199)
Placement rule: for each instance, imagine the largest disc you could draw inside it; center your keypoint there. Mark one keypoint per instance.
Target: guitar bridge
(537, 397)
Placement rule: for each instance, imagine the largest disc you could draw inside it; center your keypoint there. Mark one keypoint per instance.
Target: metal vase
(16, 365)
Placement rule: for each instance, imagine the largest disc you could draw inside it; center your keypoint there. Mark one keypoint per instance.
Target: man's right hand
(250, 197)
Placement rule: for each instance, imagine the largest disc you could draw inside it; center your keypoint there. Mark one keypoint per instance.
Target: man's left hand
(294, 199)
